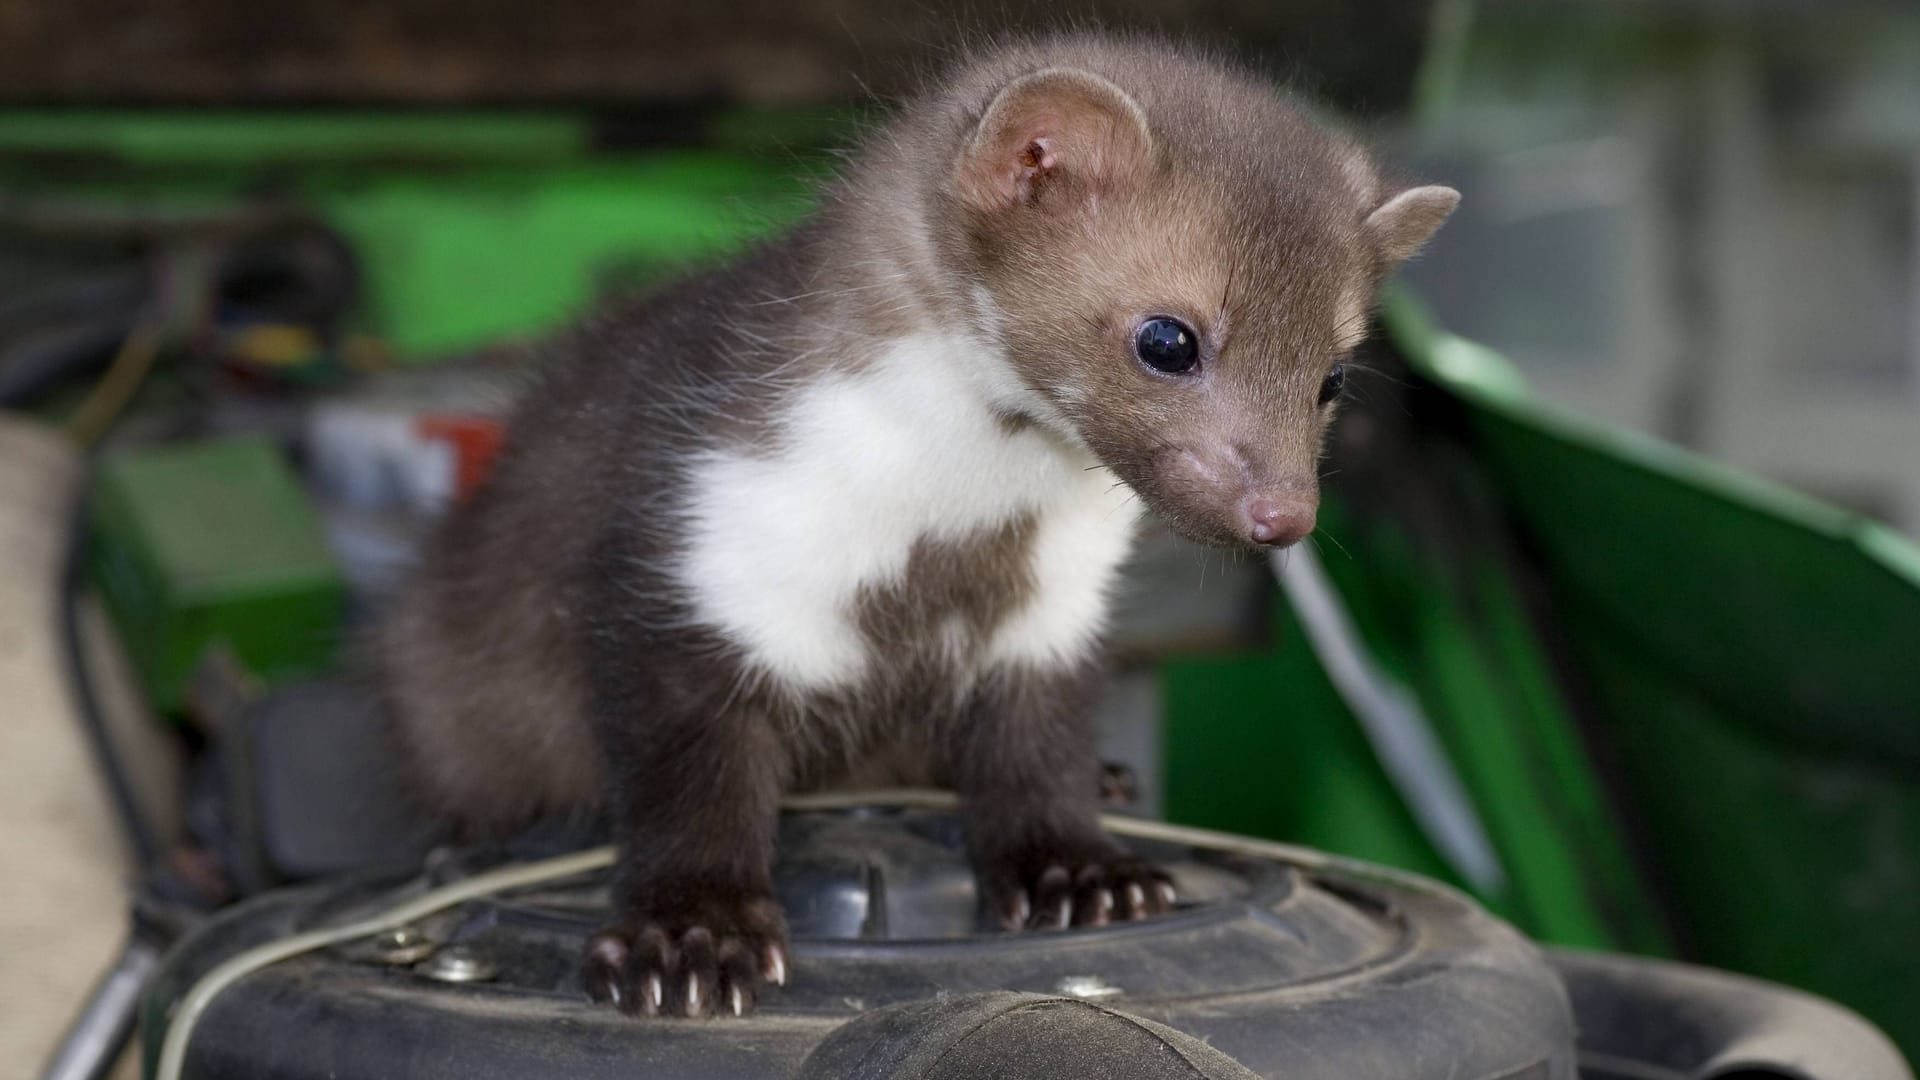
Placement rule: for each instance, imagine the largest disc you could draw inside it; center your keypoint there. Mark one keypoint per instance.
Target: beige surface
(63, 869)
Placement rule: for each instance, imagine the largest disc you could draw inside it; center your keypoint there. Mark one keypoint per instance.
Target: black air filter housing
(1279, 963)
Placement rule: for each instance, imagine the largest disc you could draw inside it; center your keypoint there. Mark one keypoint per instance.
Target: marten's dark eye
(1167, 345)
(1336, 380)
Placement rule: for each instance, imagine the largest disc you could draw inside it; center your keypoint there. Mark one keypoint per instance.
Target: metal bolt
(407, 945)
(458, 964)
(1086, 986)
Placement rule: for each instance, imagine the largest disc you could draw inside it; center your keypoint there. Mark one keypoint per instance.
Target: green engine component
(469, 227)
(213, 545)
(1751, 659)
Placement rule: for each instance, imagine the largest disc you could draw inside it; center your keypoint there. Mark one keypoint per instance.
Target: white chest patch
(782, 544)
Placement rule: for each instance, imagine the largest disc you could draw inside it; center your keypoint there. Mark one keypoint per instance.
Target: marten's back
(481, 656)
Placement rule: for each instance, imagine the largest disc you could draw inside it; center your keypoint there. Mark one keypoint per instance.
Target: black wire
(312, 274)
(86, 700)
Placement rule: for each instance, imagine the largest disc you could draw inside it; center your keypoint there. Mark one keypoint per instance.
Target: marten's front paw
(699, 959)
(1073, 886)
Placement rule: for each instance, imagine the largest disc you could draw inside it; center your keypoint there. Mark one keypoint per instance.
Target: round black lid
(1291, 963)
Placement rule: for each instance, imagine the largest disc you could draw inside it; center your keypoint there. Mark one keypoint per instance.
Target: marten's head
(1176, 264)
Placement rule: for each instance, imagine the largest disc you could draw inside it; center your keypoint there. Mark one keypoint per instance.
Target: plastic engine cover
(1291, 963)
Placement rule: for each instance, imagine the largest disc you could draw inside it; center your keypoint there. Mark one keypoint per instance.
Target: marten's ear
(1403, 224)
(1054, 130)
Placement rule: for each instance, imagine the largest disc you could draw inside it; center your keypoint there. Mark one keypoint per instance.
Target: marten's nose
(1276, 520)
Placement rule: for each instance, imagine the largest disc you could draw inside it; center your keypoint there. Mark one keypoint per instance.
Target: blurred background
(1710, 204)
(1621, 528)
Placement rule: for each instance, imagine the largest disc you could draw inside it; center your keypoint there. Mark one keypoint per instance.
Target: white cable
(173, 1049)
(1401, 734)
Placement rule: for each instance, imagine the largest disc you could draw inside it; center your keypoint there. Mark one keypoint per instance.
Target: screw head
(406, 945)
(458, 964)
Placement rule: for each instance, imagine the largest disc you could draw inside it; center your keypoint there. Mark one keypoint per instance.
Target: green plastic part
(209, 545)
(251, 138)
(459, 262)
(470, 227)
(1263, 744)
(1743, 788)
(1753, 662)
(1259, 744)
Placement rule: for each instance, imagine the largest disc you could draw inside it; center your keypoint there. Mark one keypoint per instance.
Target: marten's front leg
(694, 776)
(696, 929)
(1024, 760)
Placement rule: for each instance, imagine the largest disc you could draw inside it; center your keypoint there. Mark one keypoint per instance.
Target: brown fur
(1044, 198)
(1244, 219)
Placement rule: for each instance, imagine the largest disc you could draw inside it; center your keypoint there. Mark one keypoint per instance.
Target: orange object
(476, 442)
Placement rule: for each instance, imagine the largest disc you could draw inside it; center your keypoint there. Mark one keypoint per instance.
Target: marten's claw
(1090, 890)
(710, 962)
